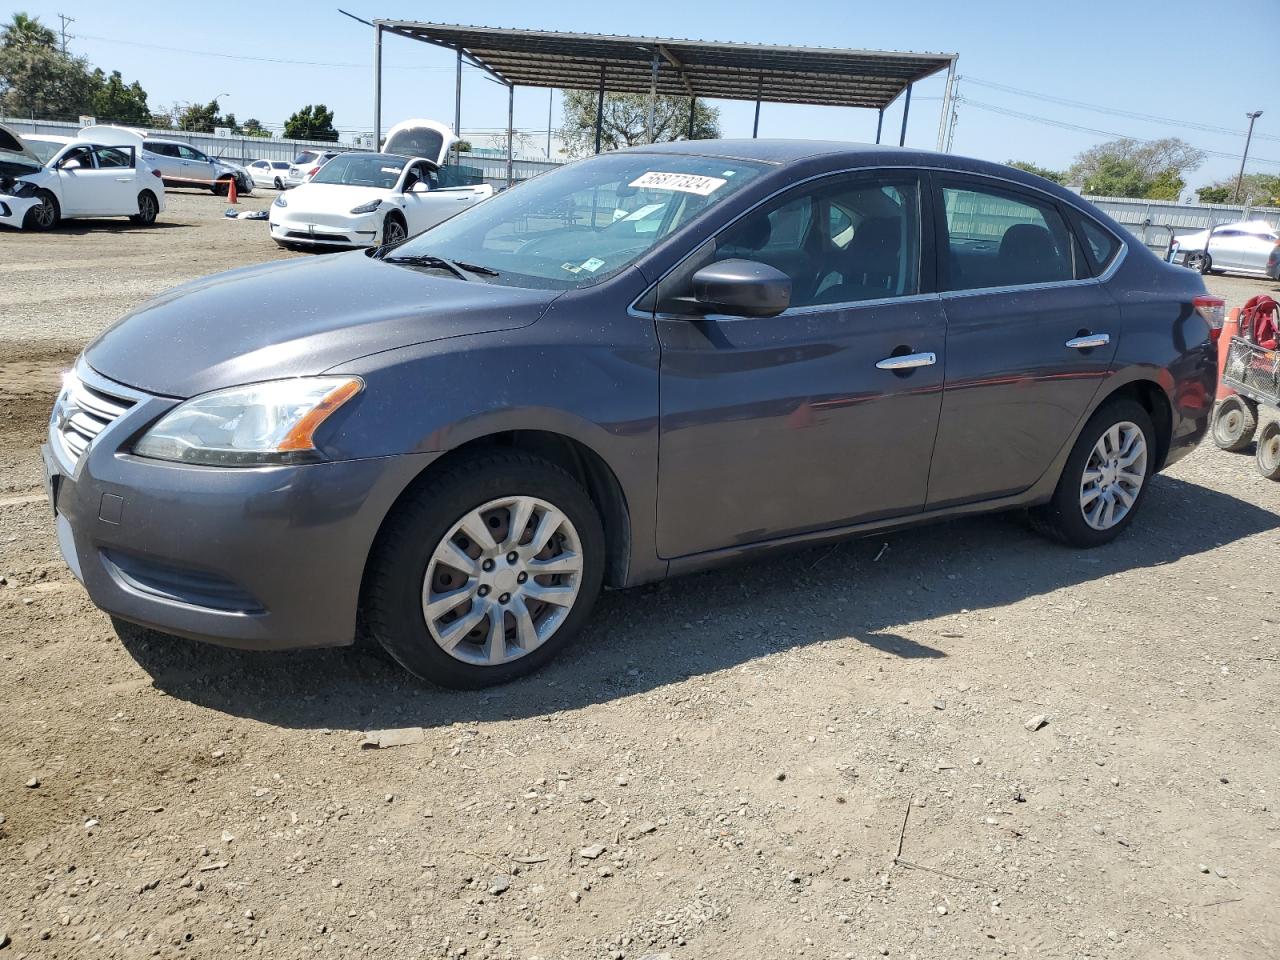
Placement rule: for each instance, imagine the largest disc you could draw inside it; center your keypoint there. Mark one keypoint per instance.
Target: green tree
(203, 117)
(312, 122)
(1130, 168)
(1057, 176)
(39, 81)
(625, 119)
(1264, 188)
(1214, 194)
(118, 103)
(254, 128)
(1165, 185)
(26, 31)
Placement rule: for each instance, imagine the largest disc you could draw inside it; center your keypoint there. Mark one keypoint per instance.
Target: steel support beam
(944, 117)
(511, 131)
(600, 109)
(457, 109)
(755, 126)
(551, 95)
(377, 86)
(879, 123)
(650, 133)
(693, 104)
(906, 112)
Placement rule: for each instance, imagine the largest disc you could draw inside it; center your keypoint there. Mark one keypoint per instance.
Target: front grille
(1254, 368)
(183, 584)
(307, 235)
(83, 412)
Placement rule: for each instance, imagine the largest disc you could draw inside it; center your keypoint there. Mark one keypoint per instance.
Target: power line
(247, 57)
(1065, 125)
(1115, 111)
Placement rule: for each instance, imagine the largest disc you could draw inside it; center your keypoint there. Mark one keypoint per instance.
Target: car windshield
(44, 149)
(362, 170)
(586, 221)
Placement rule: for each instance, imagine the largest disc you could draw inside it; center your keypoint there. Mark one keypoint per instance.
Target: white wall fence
(248, 149)
(1148, 219)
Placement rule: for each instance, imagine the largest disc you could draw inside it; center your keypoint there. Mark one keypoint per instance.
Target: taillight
(1213, 310)
(313, 171)
(156, 174)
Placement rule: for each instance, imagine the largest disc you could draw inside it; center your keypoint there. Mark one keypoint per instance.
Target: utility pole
(1249, 136)
(65, 20)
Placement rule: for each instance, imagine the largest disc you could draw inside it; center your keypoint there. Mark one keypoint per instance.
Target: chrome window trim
(1103, 277)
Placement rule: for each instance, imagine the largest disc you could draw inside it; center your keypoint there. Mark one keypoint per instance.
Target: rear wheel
(1199, 261)
(278, 184)
(485, 572)
(1234, 423)
(45, 215)
(1105, 478)
(1268, 455)
(148, 209)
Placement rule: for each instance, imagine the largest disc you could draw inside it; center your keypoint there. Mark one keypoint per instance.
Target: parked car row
(99, 173)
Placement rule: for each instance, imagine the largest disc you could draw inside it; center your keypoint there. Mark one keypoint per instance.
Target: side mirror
(420, 187)
(742, 288)
(69, 164)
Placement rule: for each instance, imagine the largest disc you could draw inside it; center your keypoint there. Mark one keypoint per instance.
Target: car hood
(297, 318)
(330, 197)
(13, 149)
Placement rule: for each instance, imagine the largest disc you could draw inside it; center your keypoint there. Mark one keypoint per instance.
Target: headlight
(263, 423)
(280, 201)
(369, 207)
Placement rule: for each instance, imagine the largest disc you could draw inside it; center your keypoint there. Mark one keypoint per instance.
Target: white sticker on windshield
(392, 169)
(592, 265)
(681, 182)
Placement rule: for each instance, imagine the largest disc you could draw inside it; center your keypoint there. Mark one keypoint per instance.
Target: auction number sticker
(680, 182)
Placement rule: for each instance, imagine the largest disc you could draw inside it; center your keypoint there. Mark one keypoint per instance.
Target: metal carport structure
(868, 79)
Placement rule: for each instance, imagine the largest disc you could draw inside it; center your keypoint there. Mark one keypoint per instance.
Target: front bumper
(263, 558)
(326, 230)
(13, 210)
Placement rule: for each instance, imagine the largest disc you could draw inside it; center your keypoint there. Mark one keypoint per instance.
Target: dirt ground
(825, 755)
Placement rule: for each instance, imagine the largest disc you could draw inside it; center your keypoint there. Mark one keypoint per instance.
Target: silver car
(1249, 246)
(182, 165)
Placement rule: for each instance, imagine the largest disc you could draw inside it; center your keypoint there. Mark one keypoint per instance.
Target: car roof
(48, 138)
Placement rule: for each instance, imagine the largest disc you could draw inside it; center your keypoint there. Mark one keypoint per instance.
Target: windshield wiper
(459, 268)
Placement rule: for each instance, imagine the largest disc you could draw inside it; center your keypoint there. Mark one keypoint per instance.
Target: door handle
(908, 361)
(1089, 340)
(123, 179)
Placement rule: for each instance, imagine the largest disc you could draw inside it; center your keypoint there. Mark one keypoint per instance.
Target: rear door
(164, 157)
(118, 179)
(1030, 336)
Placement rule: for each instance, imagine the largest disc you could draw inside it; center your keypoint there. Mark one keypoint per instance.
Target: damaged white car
(45, 182)
(367, 199)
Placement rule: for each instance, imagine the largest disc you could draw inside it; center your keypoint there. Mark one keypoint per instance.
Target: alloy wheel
(502, 581)
(1113, 475)
(147, 208)
(45, 215)
(393, 232)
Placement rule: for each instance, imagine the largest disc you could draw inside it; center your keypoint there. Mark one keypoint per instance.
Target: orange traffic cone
(1230, 328)
(231, 191)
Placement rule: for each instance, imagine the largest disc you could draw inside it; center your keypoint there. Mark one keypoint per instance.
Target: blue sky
(1156, 59)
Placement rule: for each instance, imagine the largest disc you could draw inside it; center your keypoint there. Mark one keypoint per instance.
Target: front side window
(114, 156)
(842, 240)
(585, 221)
(81, 155)
(999, 238)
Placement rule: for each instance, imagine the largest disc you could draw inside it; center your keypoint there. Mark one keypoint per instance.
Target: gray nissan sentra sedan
(639, 365)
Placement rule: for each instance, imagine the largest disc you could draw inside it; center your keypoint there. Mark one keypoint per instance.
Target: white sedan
(367, 199)
(1249, 246)
(269, 173)
(51, 179)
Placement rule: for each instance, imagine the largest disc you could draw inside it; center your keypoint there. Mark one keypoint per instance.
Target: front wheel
(485, 572)
(393, 230)
(1199, 261)
(45, 215)
(1234, 423)
(1104, 480)
(1268, 455)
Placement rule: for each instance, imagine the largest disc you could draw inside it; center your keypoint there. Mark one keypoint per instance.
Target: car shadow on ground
(642, 639)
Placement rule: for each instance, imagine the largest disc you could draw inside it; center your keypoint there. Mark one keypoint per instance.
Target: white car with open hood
(99, 173)
(368, 199)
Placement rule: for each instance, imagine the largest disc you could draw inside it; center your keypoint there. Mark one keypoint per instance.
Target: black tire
(46, 216)
(278, 184)
(221, 187)
(1268, 455)
(1062, 518)
(394, 229)
(1234, 423)
(393, 588)
(1199, 261)
(148, 209)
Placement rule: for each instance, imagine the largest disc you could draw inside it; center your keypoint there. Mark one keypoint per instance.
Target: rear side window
(999, 238)
(114, 156)
(1102, 245)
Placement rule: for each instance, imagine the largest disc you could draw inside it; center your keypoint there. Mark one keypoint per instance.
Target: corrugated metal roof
(726, 71)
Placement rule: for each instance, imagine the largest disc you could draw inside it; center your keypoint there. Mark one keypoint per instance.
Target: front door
(1029, 338)
(79, 182)
(820, 417)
